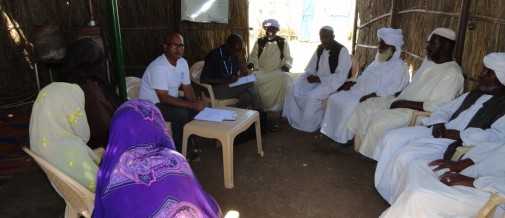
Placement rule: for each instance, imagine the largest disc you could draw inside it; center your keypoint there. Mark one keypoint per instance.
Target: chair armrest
(99, 152)
(209, 90)
(489, 208)
(460, 151)
(416, 115)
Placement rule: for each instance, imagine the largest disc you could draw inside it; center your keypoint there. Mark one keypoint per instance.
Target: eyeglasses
(175, 45)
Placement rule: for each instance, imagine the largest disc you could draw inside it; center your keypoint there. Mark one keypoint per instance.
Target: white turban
(329, 28)
(444, 32)
(392, 37)
(271, 22)
(496, 62)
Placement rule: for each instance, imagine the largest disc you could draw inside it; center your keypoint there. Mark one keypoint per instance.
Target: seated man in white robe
(451, 188)
(471, 119)
(387, 75)
(327, 70)
(438, 80)
(270, 55)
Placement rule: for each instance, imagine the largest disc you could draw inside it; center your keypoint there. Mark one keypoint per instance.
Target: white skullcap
(271, 22)
(444, 32)
(496, 62)
(392, 37)
(327, 28)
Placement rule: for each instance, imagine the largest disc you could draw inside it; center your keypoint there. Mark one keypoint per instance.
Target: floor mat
(14, 136)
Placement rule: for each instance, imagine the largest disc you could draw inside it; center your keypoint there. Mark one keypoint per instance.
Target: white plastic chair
(132, 87)
(79, 200)
(414, 120)
(488, 210)
(195, 72)
(133, 90)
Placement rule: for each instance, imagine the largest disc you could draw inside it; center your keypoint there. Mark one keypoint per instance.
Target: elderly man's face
(326, 38)
(271, 31)
(488, 80)
(383, 46)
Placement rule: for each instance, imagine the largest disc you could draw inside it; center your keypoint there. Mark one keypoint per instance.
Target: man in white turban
(271, 60)
(451, 188)
(471, 119)
(438, 80)
(387, 75)
(327, 70)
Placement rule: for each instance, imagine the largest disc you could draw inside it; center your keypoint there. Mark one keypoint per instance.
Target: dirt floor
(299, 176)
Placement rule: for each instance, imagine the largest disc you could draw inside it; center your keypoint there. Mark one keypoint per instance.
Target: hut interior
(299, 176)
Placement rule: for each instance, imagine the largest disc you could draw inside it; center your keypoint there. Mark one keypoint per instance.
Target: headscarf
(59, 132)
(496, 62)
(271, 22)
(142, 175)
(392, 37)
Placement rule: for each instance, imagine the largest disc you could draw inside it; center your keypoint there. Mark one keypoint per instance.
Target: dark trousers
(178, 116)
(246, 93)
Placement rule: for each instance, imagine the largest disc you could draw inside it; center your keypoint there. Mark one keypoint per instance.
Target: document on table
(216, 115)
(245, 79)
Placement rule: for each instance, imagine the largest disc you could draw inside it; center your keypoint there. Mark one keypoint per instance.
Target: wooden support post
(463, 20)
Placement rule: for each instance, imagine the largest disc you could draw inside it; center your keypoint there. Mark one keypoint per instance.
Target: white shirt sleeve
(253, 57)
(158, 79)
(495, 133)
(332, 82)
(444, 113)
(490, 184)
(287, 60)
(185, 74)
(398, 79)
(312, 65)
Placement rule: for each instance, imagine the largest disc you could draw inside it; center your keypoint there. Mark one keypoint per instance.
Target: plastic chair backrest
(133, 87)
(78, 199)
(195, 71)
(355, 69)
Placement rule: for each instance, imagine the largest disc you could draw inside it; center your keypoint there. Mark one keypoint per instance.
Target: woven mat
(14, 136)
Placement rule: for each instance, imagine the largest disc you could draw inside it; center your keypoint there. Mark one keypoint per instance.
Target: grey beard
(384, 56)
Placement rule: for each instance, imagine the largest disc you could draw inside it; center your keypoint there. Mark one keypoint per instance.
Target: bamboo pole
(354, 28)
(118, 49)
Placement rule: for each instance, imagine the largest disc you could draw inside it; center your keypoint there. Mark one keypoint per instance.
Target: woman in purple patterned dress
(142, 175)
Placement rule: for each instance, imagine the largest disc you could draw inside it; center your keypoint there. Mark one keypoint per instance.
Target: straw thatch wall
(145, 22)
(143, 25)
(418, 18)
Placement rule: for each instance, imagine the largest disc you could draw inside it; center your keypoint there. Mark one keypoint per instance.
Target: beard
(384, 56)
(435, 56)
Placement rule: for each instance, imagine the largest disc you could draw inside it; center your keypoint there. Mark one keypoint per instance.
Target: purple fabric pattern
(142, 175)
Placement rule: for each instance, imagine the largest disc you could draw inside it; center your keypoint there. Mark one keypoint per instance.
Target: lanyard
(228, 73)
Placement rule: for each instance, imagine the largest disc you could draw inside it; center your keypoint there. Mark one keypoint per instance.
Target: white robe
(433, 84)
(421, 194)
(397, 148)
(384, 79)
(272, 81)
(303, 105)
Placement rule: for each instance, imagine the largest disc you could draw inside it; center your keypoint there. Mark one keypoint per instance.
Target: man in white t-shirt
(161, 82)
